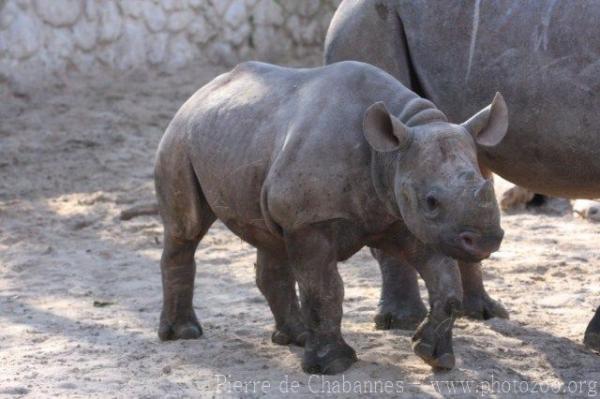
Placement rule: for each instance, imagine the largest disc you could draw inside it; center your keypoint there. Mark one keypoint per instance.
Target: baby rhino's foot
(328, 358)
(292, 333)
(180, 329)
(432, 341)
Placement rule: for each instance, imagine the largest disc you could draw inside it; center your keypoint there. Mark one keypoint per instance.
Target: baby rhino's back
(238, 112)
(232, 128)
(247, 113)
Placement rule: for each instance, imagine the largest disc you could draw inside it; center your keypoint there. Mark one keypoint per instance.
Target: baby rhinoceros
(309, 166)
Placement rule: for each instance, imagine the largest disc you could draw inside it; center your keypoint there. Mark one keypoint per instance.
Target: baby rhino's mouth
(473, 246)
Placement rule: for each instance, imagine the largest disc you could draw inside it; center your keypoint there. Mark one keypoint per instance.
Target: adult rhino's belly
(549, 161)
(553, 143)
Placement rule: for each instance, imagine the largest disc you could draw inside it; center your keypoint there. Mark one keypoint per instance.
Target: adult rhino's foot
(516, 198)
(591, 339)
(400, 316)
(328, 358)
(432, 341)
(181, 329)
(482, 307)
(293, 333)
(587, 209)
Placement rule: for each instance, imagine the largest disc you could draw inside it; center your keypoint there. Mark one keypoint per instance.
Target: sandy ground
(80, 290)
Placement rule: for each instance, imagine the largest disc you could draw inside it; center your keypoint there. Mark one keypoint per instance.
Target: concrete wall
(49, 38)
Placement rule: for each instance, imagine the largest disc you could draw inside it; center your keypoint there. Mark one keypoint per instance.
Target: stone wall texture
(50, 38)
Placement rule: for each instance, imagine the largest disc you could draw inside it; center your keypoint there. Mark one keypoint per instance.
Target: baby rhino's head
(438, 187)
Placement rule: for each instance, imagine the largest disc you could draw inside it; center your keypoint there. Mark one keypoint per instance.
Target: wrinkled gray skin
(309, 166)
(542, 55)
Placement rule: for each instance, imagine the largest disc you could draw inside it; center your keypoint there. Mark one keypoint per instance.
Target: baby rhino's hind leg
(275, 281)
(186, 218)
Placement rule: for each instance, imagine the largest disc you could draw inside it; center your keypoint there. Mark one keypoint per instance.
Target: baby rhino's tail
(182, 205)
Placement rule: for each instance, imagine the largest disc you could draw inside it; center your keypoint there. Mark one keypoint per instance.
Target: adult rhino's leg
(372, 32)
(186, 218)
(400, 304)
(477, 304)
(312, 253)
(275, 281)
(591, 338)
(433, 339)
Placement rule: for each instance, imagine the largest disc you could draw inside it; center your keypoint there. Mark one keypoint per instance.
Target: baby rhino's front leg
(313, 255)
(433, 338)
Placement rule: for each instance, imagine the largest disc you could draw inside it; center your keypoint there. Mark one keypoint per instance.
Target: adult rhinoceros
(544, 56)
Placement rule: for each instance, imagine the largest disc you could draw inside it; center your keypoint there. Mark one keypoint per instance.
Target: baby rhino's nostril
(432, 202)
(468, 239)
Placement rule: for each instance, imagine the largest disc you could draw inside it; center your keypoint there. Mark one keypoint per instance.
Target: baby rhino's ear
(488, 127)
(383, 131)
